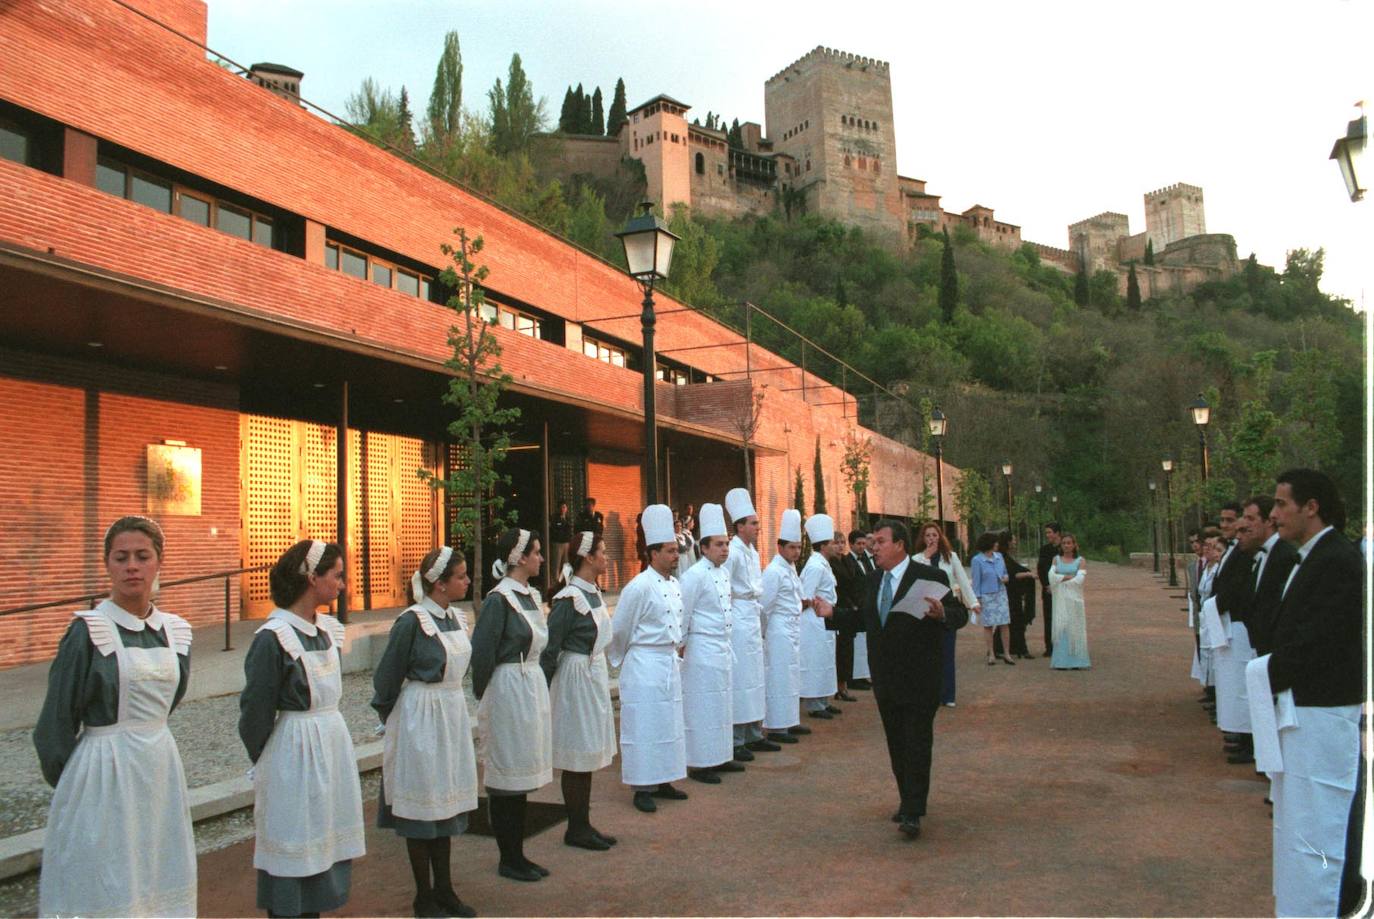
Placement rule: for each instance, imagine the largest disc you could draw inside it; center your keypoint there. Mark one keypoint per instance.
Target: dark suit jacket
(849, 584)
(904, 654)
(1234, 586)
(1264, 603)
(1043, 563)
(1318, 637)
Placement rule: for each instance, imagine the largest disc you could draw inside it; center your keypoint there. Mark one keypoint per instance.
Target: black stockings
(430, 858)
(508, 825)
(577, 796)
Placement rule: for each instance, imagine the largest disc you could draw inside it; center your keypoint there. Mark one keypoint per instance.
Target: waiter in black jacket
(1042, 570)
(845, 619)
(904, 655)
(1273, 562)
(1233, 590)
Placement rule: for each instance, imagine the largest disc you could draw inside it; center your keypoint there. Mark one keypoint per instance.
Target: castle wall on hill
(1174, 213)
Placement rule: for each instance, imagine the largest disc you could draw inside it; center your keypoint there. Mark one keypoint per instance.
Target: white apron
(861, 671)
(429, 769)
(514, 722)
(119, 839)
(818, 679)
(747, 692)
(1228, 664)
(580, 698)
(653, 747)
(308, 806)
(1311, 798)
(784, 672)
(707, 667)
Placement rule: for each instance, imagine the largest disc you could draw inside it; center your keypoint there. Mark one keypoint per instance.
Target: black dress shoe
(704, 776)
(861, 684)
(845, 697)
(823, 714)
(833, 710)
(586, 840)
(606, 838)
(543, 872)
(897, 817)
(799, 730)
(426, 905)
(742, 755)
(668, 793)
(1237, 759)
(775, 737)
(454, 906)
(728, 766)
(1229, 737)
(645, 802)
(763, 746)
(517, 872)
(911, 827)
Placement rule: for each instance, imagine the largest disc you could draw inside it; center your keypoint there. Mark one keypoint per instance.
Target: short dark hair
(285, 580)
(135, 523)
(1054, 525)
(1195, 531)
(1233, 506)
(818, 546)
(857, 534)
(784, 543)
(899, 531)
(1004, 538)
(658, 547)
(1265, 503)
(506, 544)
(589, 502)
(986, 541)
(1311, 485)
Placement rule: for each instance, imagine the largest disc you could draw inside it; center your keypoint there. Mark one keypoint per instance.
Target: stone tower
(832, 113)
(655, 133)
(1096, 240)
(1174, 213)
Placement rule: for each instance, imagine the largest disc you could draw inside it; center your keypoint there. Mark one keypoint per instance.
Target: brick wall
(616, 481)
(82, 430)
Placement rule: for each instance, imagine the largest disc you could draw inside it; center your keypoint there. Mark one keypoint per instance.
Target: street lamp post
(938, 425)
(1154, 525)
(1006, 474)
(1202, 414)
(649, 254)
(1168, 466)
(1349, 154)
(1039, 517)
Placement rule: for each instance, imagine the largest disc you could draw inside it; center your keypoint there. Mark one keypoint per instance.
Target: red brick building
(189, 261)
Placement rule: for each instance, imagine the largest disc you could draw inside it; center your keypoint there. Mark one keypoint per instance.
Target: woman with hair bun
(429, 769)
(515, 736)
(307, 806)
(580, 686)
(119, 839)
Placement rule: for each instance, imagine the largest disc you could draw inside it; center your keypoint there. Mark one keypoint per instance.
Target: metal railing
(91, 598)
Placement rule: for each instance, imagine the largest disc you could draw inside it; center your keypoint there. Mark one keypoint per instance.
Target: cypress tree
(818, 486)
(405, 135)
(598, 118)
(584, 116)
(734, 136)
(949, 281)
(566, 115)
(799, 492)
(1080, 288)
(1149, 251)
(1132, 291)
(616, 117)
(579, 101)
(445, 109)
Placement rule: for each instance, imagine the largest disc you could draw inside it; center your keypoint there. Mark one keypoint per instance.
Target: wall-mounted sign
(173, 480)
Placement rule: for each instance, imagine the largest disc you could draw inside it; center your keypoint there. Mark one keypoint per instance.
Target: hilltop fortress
(829, 148)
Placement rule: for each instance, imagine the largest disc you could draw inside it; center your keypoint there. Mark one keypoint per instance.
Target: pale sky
(1047, 112)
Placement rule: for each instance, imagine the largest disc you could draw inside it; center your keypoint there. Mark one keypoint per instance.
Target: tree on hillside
(598, 126)
(445, 110)
(617, 115)
(515, 116)
(374, 112)
(949, 281)
(567, 115)
(1149, 252)
(1102, 290)
(818, 483)
(858, 455)
(734, 136)
(1132, 291)
(584, 114)
(1080, 287)
(799, 492)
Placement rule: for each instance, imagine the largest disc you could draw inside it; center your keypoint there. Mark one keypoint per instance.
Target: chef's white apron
(580, 698)
(784, 672)
(1228, 662)
(861, 671)
(818, 680)
(119, 839)
(308, 806)
(748, 699)
(429, 768)
(706, 697)
(653, 748)
(514, 720)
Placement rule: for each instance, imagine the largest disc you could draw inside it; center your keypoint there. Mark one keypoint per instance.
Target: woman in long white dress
(935, 550)
(1070, 619)
(514, 727)
(429, 767)
(308, 806)
(119, 839)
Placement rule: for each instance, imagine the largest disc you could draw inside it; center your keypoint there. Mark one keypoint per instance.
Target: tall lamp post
(1202, 414)
(649, 254)
(938, 425)
(1168, 466)
(1006, 474)
(1349, 153)
(1039, 515)
(1154, 525)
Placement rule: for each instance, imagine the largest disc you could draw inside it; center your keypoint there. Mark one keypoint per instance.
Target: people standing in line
(746, 634)
(589, 518)
(990, 587)
(706, 659)
(860, 565)
(641, 547)
(1253, 530)
(118, 839)
(818, 682)
(574, 662)
(514, 721)
(934, 549)
(560, 535)
(844, 619)
(429, 767)
(1192, 572)
(646, 644)
(1042, 571)
(1275, 559)
(1070, 619)
(1213, 546)
(1020, 598)
(906, 665)
(686, 546)
(782, 605)
(1317, 669)
(307, 807)
(689, 521)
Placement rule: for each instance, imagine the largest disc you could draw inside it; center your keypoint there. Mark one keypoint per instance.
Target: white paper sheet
(913, 603)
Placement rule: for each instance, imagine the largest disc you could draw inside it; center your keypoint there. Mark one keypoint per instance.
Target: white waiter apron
(1228, 662)
(706, 666)
(580, 697)
(647, 632)
(514, 718)
(748, 693)
(782, 644)
(818, 678)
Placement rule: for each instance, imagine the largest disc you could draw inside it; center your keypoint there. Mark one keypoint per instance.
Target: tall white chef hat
(658, 524)
(790, 528)
(820, 528)
(739, 504)
(712, 520)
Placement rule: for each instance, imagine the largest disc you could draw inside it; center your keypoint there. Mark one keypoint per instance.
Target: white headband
(432, 575)
(584, 547)
(499, 567)
(312, 557)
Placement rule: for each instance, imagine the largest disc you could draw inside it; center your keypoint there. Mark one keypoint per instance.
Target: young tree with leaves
(475, 391)
(818, 482)
(748, 413)
(858, 454)
(515, 116)
(445, 111)
(617, 116)
(949, 281)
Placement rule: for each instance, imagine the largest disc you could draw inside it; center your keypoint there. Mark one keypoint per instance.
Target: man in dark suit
(1042, 570)
(844, 622)
(904, 656)
(860, 565)
(1317, 643)
(1274, 560)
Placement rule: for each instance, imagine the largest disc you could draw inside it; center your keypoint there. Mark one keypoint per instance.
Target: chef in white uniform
(646, 644)
(708, 659)
(818, 682)
(782, 609)
(746, 634)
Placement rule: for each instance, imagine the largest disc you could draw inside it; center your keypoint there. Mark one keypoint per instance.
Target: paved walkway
(1072, 794)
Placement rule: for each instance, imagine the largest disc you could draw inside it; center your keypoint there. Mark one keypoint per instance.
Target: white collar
(1307, 546)
(434, 609)
(512, 584)
(1270, 542)
(296, 622)
(898, 571)
(127, 620)
(736, 539)
(585, 585)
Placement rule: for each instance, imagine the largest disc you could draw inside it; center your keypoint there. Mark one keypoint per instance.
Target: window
(331, 256)
(701, 165)
(151, 192)
(14, 143)
(262, 231)
(672, 375)
(607, 354)
(354, 263)
(196, 210)
(381, 275)
(407, 283)
(234, 221)
(110, 177)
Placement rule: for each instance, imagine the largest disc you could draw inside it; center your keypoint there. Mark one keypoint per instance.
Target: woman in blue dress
(1070, 621)
(990, 586)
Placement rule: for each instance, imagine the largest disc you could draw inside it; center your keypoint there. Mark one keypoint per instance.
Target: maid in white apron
(429, 767)
(515, 734)
(119, 837)
(580, 686)
(307, 807)
(782, 609)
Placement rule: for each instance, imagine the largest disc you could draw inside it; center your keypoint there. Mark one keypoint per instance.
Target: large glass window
(381, 275)
(355, 264)
(196, 210)
(235, 222)
(331, 257)
(151, 192)
(14, 143)
(407, 283)
(262, 231)
(110, 177)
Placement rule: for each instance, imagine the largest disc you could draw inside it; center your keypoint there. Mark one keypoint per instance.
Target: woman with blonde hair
(934, 549)
(1070, 620)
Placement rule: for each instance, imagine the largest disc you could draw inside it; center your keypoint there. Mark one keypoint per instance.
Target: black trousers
(844, 656)
(910, 730)
(1022, 604)
(1047, 603)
